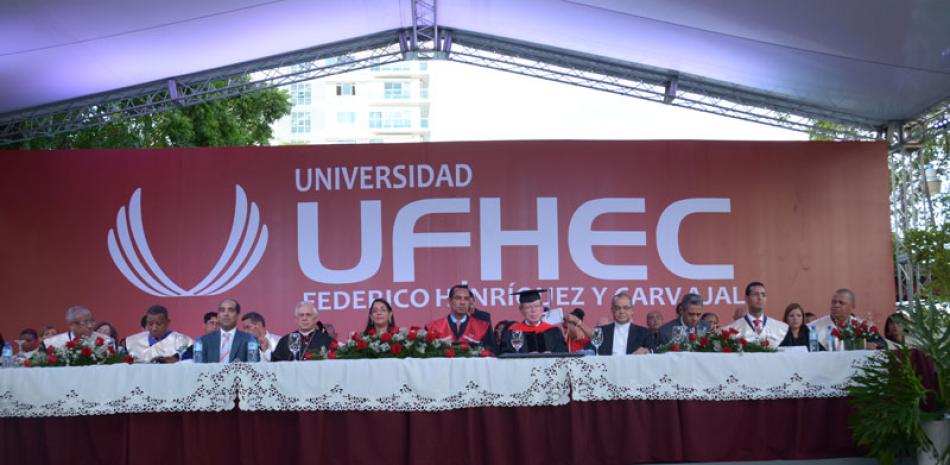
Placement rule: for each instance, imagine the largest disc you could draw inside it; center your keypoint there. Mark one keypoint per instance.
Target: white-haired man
(80, 322)
(313, 337)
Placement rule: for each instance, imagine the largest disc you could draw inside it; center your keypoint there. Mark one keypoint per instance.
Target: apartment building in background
(382, 104)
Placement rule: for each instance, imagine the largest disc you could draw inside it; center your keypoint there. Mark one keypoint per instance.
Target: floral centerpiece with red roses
(411, 342)
(853, 333)
(724, 341)
(78, 352)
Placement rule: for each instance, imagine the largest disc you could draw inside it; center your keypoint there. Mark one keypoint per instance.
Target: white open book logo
(132, 256)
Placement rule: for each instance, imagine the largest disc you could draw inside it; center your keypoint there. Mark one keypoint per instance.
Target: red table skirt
(616, 432)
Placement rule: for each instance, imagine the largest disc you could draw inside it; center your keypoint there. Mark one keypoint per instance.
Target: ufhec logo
(132, 256)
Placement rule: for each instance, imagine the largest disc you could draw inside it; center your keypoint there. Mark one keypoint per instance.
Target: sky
(473, 103)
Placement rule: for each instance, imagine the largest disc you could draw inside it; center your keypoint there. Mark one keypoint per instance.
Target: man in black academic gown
(622, 336)
(539, 337)
(312, 337)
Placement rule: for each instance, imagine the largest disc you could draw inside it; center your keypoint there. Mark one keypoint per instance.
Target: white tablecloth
(108, 389)
(710, 376)
(407, 385)
(421, 384)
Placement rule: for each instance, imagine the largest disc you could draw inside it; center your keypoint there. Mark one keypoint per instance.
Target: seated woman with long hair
(380, 319)
(797, 334)
(894, 331)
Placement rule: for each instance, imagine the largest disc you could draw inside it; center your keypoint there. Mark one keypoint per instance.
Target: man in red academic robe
(461, 325)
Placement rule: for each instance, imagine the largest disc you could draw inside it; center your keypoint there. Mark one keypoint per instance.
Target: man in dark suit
(690, 310)
(226, 344)
(312, 337)
(622, 336)
(654, 323)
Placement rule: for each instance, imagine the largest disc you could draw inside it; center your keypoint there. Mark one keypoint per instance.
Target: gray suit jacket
(212, 346)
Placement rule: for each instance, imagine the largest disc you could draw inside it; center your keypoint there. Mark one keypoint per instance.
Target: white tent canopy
(876, 60)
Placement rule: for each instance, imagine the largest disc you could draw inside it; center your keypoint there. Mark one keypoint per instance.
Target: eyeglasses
(85, 322)
(622, 307)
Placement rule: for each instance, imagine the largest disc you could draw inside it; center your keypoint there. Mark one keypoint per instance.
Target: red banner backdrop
(120, 230)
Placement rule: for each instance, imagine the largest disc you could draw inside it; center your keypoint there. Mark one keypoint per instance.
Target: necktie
(758, 325)
(225, 347)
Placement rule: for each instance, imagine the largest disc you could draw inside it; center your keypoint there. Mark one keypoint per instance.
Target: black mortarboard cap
(529, 295)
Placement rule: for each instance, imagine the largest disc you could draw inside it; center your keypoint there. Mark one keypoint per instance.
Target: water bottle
(7, 355)
(253, 351)
(813, 339)
(198, 351)
(832, 346)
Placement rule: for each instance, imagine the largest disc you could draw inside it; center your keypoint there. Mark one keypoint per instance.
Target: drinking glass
(596, 339)
(517, 339)
(19, 352)
(294, 344)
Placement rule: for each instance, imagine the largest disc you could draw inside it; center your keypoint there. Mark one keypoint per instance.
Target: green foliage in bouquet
(401, 343)
(726, 340)
(78, 352)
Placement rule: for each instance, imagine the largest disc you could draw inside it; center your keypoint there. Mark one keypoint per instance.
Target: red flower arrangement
(403, 343)
(725, 341)
(854, 333)
(78, 352)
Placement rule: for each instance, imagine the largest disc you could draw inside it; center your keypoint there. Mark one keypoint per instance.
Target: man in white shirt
(253, 323)
(157, 344)
(622, 336)
(842, 312)
(755, 325)
(80, 322)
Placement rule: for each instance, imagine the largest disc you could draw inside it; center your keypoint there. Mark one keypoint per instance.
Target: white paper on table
(793, 349)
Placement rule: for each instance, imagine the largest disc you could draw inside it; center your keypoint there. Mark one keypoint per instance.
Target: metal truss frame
(425, 27)
(193, 89)
(658, 85)
(912, 207)
(427, 40)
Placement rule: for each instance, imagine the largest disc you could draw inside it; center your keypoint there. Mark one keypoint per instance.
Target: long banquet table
(627, 409)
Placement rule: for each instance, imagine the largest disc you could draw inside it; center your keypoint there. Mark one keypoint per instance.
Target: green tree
(237, 121)
(931, 249)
